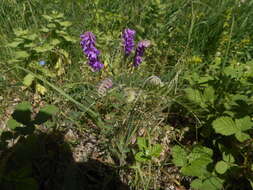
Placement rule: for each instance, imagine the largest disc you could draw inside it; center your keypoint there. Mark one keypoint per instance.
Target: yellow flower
(41, 89)
(196, 59)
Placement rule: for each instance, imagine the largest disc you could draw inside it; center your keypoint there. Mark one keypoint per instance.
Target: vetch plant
(88, 45)
(88, 41)
(128, 40)
(142, 45)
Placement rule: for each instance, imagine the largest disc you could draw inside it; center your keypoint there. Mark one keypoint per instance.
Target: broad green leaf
(20, 32)
(44, 29)
(231, 71)
(244, 123)
(225, 126)
(69, 38)
(31, 37)
(51, 25)
(59, 15)
(55, 42)
(23, 106)
(65, 23)
(156, 150)
(228, 157)
(61, 32)
(209, 94)
(195, 96)
(43, 48)
(49, 18)
(241, 136)
(30, 45)
(27, 81)
(45, 114)
(13, 61)
(221, 167)
(14, 44)
(21, 54)
(204, 79)
(12, 124)
(239, 97)
(50, 110)
(212, 183)
(22, 113)
(200, 152)
(179, 156)
(196, 184)
(197, 168)
(234, 70)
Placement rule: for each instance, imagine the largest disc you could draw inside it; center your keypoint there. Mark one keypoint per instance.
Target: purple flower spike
(96, 65)
(87, 43)
(142, 45)
(128, 41)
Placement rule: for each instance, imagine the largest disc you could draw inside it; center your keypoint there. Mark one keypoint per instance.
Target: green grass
(202, 52)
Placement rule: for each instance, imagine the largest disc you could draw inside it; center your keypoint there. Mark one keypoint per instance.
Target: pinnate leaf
(156, 150)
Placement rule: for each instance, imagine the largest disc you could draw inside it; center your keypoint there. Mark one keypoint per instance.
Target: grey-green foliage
(195, 163)
(221, 97)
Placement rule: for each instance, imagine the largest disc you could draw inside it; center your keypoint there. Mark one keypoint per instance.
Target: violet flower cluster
(128, 41)
(87, 43)
(142, 45)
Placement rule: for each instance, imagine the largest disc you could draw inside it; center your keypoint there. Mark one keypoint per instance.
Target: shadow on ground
(45, 162)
